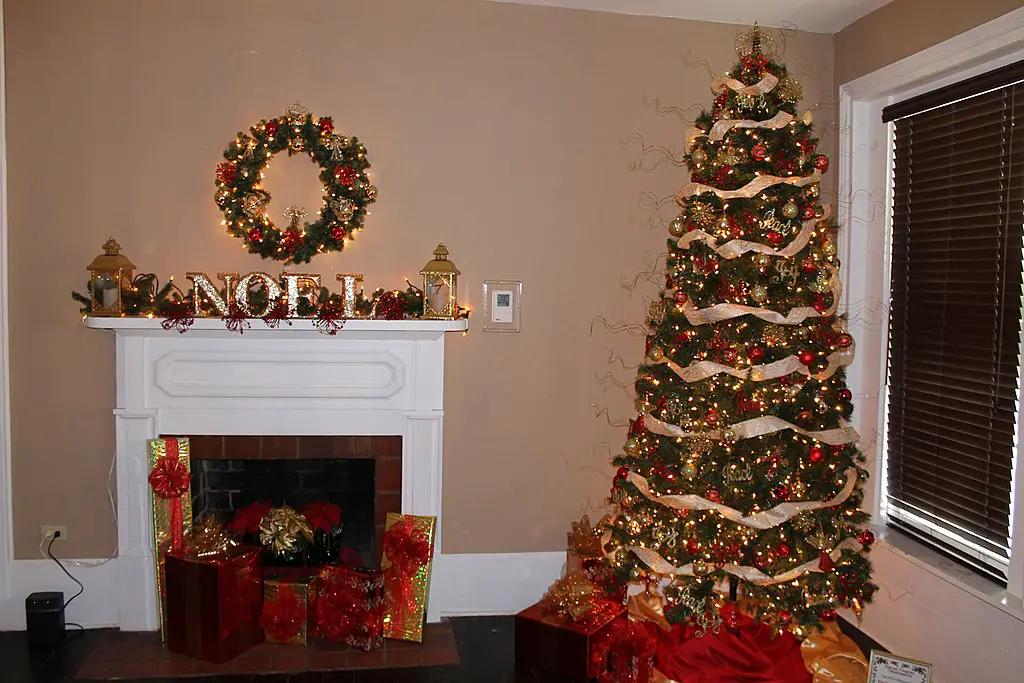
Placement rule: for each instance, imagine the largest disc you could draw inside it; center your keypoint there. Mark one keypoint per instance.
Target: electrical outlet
(47, 531)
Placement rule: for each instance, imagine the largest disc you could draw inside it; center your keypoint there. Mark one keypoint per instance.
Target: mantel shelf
(299, 328)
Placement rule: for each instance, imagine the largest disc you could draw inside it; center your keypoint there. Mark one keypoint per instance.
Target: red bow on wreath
(408, 549)
(170, 480)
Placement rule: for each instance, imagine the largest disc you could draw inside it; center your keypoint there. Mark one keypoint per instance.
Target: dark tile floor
(485, 648)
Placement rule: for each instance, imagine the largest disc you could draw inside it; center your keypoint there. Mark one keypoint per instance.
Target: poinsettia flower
(323, 516)
(248, 518)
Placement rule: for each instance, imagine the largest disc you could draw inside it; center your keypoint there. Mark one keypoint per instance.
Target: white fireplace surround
(371, 378)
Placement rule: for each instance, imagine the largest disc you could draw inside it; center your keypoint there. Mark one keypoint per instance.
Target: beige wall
(493, 127)
(905, 27)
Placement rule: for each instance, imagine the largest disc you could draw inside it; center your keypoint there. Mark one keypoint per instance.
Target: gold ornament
(729, 155)
(701, 214)
(761, 260)
(724, 227)
(296, 114)
(755, 42)
(371, 192)
(689, 469)
(745, 100)
(656, 311)
(337, 144)
(656, 354)
(677, 227)
(814, 191)
(700, 446)
(208, 538)
(571, 597)
(789, 89)
(822, 283)
(636, 574)
(253, 205)
(759, 293)
(634, 447)
(294, 214)
(773, 335)
(698, 156)
(829, 247)
(790, 209)
(283, 528)
(701, 569)
(344, 209)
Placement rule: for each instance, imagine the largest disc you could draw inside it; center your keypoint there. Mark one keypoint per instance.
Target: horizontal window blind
(955, 317)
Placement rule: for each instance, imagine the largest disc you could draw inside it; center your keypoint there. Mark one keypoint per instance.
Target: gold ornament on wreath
(347, 192)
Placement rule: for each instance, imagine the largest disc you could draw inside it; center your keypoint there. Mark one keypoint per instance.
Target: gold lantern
(440, 277)
(109, 274)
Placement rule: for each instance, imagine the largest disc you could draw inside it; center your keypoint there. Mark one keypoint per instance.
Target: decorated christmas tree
(740, 484)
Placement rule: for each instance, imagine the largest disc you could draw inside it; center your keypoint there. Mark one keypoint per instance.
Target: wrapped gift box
(564, 646)
(407, 559)
(171, 517)
(214, 603)
(289, 607)
(350, 606)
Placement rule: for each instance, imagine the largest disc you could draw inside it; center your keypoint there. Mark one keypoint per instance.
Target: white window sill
(949, 571)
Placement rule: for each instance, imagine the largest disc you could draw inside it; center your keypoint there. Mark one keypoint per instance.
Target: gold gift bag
(407, 558)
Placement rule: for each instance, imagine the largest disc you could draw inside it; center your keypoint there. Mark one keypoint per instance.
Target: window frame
(865, 171)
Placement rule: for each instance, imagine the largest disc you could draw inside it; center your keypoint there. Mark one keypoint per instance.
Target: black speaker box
(44, 620)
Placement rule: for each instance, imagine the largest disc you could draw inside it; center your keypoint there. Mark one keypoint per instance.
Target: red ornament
(636, 427)
(730, 355)
(271, 128)
(681, 297)
(388, 306)
(692, 547)
(254, 235)
(227, 171)
(330, 317)
(711, 417)
(825, 562)
(804, 416)
(774, 238)
(326, 125)
(819, 304)
(809, 267)
(845, 394)
(783, 549)
(816, 454)
(712, 495)
(622, 473)
(808, 212)
(783, 616)
(781, 492)
(292, 240)
(844, 340)
(755, 353)
(338, 232)
(828, 614)
(806, 357)
(821, 163)
(759, 152)
(763, 560)
(346, 175)
(866, 538)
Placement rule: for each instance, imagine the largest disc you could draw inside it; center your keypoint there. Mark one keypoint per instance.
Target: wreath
(343, 167)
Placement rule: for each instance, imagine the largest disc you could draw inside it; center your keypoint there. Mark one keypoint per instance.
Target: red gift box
(289, 607)
(563, 646)
(350, 606)
(213, 603)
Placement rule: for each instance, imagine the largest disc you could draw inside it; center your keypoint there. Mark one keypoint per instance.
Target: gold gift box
(404, 619)
(156, 449)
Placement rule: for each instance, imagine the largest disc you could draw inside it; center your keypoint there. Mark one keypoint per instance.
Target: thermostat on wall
(502, 305)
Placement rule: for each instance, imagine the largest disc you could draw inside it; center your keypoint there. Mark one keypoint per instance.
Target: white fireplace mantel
(373, 378)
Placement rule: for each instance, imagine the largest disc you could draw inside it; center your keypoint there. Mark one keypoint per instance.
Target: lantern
(440, 277)
(109, 274)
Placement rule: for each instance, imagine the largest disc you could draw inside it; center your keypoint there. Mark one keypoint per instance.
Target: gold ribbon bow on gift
(585, 540)
(281, 529)
(208, 538)
(571, 597)
(832, 657)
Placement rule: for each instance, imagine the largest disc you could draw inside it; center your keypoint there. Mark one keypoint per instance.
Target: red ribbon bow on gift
(408, 549)
(630, 646)
(283, 616)
(170, 480)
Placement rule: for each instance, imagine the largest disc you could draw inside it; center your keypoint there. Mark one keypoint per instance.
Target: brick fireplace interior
(360, 474)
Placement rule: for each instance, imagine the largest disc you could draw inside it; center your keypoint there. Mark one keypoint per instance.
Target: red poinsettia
(323, 516)
(248, 518)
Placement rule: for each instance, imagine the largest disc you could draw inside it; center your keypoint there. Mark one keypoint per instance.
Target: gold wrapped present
(170, 476)
(289, 607)
(407, 559)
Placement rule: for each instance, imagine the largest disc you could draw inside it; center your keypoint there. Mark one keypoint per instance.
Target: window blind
(955, 314)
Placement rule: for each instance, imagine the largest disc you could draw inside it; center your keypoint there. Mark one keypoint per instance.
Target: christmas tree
(741, 479)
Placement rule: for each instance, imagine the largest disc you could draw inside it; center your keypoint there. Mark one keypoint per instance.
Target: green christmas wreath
(343, 167)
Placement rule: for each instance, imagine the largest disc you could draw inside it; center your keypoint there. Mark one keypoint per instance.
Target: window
(955, 315)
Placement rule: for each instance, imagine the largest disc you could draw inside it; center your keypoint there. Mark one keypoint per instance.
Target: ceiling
(816, 16)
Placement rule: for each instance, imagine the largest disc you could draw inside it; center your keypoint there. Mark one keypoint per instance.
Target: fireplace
(378, 386)
(361, 475)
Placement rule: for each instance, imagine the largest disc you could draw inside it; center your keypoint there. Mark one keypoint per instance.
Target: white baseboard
(466, 585)
(95, 608)
(488, 584)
